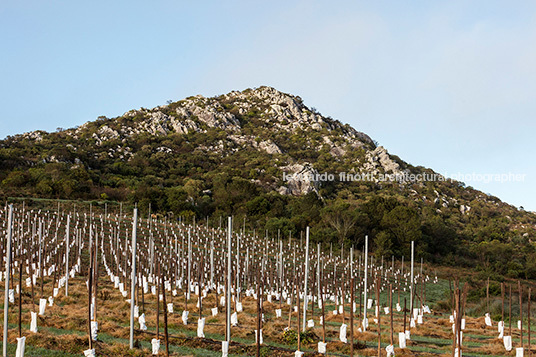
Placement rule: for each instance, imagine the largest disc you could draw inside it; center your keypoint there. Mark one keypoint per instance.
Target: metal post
(8, 267)
(351, 262)
(411, 282)
(228, 287)
(189, 263)
(67, 255)
(306, 277)
(318, 269)
(280, 267)
(133, 276)
(365, 287)
(40, 235)
(237, 283)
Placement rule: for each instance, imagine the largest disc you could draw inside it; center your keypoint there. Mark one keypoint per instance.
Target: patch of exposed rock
(270, 147)
(334, 149)
(465, 209)
(380, 159)
(287, 112)
(34, 135)
(300, 180)
(209, 112)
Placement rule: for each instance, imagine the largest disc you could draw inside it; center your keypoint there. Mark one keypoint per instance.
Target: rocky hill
(265, 155)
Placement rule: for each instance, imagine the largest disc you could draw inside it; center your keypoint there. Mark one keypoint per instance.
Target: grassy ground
(63, 329)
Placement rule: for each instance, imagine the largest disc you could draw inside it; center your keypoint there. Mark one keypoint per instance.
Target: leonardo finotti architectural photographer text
(405, 177)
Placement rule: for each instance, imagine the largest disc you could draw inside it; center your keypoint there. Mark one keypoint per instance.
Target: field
(267, 274)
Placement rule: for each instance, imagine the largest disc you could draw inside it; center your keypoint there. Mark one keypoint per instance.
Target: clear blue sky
(449, 85)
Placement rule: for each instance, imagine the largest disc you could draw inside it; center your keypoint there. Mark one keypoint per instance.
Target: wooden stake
(90, 287)
(405, 315)
(462, 313)
(422, 287)
(451, 295)
(528, 318)
(487, 296)
(456, 322)
(56, 264)
(510, 308)
(313, 287)
(502, 303)
(343, 286)
(258, 343)
(352, 317)
(379, 317)
(391, 310)
(186, 292)
(398, 286)
(520, 312)
(31, 273)
(292, 302)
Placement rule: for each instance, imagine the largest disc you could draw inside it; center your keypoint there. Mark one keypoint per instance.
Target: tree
(376, 208)
(192, 188)
(342, 218)
(258, 206)
(384, 245)
(16, 179)
(438, 239)
(404, 224)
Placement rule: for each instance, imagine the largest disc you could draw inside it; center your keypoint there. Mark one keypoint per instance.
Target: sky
(449, 85)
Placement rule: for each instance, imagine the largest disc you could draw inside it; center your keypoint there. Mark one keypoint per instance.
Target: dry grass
(70, 314)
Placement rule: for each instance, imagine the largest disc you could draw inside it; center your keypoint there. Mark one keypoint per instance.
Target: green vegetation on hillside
(207, 173)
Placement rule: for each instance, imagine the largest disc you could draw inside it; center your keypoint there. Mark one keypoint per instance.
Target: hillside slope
(264, 155)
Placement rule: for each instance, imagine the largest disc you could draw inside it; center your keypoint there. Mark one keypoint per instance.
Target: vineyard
(104, 281)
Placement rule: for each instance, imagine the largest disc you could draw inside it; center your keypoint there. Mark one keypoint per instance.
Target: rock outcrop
(464, 209)
(379, 160)
(300, 179)
(270, 147)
